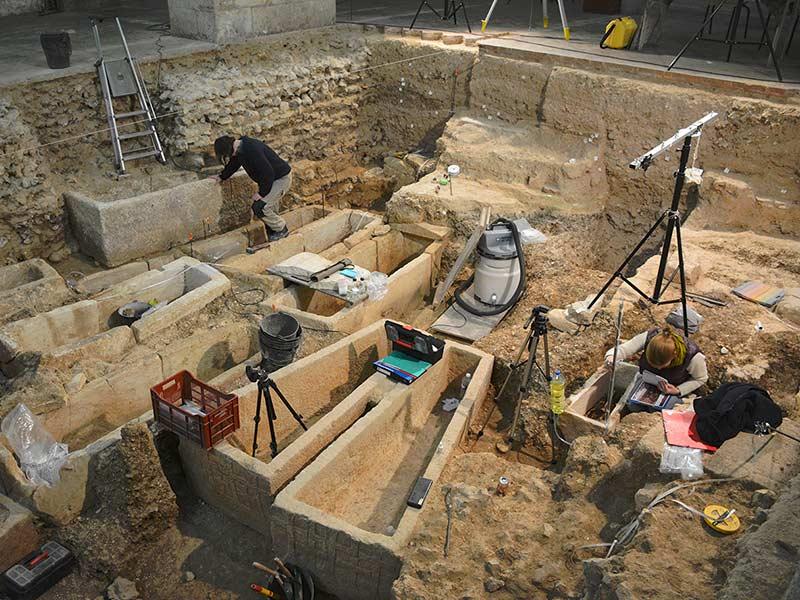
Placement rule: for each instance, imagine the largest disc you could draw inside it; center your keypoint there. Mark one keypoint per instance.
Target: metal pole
(696, 35)
(618, 272)
(257, 420)
(680, 177)
(485, 21)
(682, 270)
(524, 386)
(610, 395)
(564, 24)
(769, 41)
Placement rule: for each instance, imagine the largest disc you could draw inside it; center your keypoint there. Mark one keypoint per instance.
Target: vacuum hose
(520, 287)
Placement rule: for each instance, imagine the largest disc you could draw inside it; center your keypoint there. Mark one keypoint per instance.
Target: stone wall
(18, 7)
(233, 20)
(31, 219)
(409, 99)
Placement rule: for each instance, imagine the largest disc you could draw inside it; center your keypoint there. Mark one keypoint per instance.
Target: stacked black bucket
(279, 338)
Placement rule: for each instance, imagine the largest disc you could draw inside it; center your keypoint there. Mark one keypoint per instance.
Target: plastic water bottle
(465, 384)
(557, 399)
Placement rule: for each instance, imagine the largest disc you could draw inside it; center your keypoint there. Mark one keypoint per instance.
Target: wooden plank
(472, 243)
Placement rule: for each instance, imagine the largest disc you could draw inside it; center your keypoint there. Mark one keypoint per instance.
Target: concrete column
(224, 21)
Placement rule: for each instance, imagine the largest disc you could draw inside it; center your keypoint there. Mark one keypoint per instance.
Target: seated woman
(669, 355)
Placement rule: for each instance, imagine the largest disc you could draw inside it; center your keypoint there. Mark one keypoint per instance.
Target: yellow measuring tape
(713, 512)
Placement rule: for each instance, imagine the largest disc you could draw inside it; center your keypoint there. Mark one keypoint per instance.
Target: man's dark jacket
(260, 161)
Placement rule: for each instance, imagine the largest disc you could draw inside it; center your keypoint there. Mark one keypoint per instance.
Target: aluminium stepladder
(122, 79)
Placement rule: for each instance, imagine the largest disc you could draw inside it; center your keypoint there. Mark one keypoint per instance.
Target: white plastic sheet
(40, 456)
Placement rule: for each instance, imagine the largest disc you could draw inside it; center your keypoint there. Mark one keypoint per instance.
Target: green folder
(406, 363)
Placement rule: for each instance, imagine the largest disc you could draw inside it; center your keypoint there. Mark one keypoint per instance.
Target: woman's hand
(668, 388)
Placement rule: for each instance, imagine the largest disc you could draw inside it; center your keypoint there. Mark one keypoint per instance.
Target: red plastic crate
(216, 415)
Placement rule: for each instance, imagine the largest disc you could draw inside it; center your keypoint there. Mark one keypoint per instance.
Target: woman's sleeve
(699, 371)
(629, 348)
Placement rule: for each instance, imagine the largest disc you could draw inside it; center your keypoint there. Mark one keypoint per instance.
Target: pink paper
(679, 427)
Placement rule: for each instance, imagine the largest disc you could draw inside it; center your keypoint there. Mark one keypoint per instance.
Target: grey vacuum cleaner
(499, 276)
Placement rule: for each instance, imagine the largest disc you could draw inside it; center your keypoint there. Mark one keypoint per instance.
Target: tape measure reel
(713, 512)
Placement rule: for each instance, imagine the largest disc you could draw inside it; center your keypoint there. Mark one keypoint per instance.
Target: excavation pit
(311, 229)
(331, 388)
(28, 288)
(345, 515)
(409, 254)
(186, 284)
(584, 414)
(105, 368)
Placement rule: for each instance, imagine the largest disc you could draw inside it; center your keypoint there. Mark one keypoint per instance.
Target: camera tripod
(261, 377)
(537, 330)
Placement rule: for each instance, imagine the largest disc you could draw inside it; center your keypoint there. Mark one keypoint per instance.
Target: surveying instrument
(260, 376)
(673, 217)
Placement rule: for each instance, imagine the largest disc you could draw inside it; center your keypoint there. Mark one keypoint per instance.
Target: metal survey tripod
(261, 377)
(673, 217)
(537, 329)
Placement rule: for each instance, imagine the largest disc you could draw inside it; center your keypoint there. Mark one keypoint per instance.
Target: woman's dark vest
(675, 375)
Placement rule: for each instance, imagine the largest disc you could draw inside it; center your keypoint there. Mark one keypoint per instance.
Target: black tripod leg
(524, 387)
(419, 9)
(769, 42)
(273, 442)
(682, 270)
(630, 256)
(546, 359)
(466, 18)
(680, 177)
(696, 35)
(297, 416)
(733, 29)
(257, 420)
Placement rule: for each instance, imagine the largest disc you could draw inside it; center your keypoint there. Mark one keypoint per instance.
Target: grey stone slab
(763, 461)
(119, 231)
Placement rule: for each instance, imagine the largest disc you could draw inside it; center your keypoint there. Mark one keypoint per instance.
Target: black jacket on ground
(260, 161)
(731, 408)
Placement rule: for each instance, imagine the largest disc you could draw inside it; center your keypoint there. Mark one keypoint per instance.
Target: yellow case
(622, 34)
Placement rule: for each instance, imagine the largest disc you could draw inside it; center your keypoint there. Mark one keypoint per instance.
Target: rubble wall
(315, 96)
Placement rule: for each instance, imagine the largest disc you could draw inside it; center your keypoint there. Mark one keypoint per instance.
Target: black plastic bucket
(279, 338)
(57, 49)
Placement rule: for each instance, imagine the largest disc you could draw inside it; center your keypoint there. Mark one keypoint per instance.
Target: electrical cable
(626, 533)
(234, 295)
(520, 285)
(555, 430)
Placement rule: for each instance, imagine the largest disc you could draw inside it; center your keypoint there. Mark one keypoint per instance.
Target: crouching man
(263, 165)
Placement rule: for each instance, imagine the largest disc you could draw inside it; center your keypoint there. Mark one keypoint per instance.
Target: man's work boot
(277, 235)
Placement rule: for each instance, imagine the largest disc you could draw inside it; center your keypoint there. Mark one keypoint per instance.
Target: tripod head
(538, 319)
(256, 374)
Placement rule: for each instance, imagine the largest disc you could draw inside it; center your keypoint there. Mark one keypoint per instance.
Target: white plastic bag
(532, 236)
(528, 234)
(686, 461)
(377, 284)
(40, 456)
